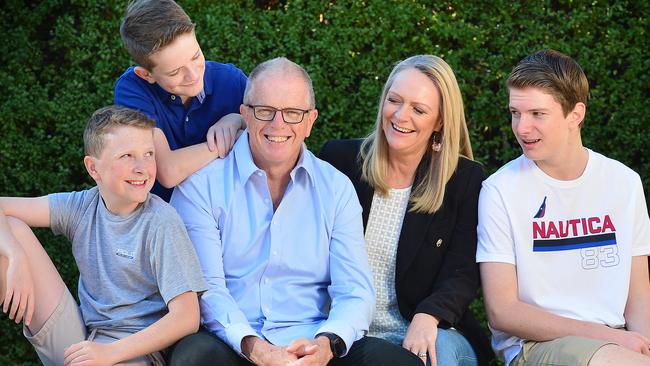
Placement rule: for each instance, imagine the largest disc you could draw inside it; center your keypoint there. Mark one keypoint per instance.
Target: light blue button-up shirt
(282, 275)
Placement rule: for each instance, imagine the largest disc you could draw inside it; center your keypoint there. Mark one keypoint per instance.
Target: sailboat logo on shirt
(576, 233)
(542, 210)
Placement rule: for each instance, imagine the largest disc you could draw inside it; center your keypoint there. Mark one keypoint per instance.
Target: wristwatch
(336, 344)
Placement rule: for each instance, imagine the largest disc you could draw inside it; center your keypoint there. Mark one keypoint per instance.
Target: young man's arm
(182, 319)
(174, 166)
(637, 309)
(508, 314)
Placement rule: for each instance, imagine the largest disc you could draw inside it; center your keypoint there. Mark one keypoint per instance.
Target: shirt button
(266, 200)
(266, 280)
(173, 97)
(439, 243)
(275, 252)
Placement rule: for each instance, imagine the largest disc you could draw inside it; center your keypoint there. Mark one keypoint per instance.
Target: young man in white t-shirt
(563, 234)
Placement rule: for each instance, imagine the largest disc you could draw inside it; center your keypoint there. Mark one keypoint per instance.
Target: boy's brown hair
(150, 25)
(105, 120)
(555, 73)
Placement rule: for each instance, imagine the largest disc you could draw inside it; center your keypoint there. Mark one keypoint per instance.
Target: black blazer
(436, 271)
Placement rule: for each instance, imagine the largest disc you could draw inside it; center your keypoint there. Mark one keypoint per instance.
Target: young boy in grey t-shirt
(139, 274)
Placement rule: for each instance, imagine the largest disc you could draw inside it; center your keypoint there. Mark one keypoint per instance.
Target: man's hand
(632, 340)
(222, 135)
(315, 352)
(421, 337)
(262, 353)
(89, 353)
(19, 291)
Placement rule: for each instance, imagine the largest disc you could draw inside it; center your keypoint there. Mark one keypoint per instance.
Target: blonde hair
(105, 120)
(436, 168)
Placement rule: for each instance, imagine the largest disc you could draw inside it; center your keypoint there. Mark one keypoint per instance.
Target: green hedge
(60, 59)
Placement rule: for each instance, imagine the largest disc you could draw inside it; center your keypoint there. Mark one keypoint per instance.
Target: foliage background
(60, 58)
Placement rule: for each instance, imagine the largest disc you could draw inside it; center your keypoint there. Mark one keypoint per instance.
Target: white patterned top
(382, 236)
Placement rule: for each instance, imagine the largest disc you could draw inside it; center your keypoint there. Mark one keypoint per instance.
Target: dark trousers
(204, 348)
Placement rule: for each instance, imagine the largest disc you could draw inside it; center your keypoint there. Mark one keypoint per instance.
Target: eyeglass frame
(276, 110)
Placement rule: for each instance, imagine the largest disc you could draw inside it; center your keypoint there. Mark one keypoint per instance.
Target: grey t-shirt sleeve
(173, 259)
(67, 210)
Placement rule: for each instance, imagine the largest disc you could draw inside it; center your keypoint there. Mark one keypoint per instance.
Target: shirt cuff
(341, 329)
(237, 332)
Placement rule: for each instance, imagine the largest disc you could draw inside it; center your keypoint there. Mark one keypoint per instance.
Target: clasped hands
(301, 352)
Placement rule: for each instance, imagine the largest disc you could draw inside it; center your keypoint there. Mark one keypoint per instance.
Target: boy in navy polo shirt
(194, 102)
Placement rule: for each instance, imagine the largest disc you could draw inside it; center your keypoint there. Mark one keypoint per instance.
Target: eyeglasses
(289, 115)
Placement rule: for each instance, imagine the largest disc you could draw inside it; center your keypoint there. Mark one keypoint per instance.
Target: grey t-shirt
(131, 267)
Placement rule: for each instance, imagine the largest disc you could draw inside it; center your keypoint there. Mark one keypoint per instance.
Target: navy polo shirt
(223, 92)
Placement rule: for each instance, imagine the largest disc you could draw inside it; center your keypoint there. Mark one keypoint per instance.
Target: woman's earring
(436, 144)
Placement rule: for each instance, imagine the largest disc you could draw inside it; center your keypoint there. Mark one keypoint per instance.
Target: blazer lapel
(411, 238)
(414, 228)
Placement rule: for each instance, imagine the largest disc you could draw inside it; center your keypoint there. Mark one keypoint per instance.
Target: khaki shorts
(570, 350)
(66, 327)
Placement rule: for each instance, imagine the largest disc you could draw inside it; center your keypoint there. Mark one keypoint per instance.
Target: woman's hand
(421, 337)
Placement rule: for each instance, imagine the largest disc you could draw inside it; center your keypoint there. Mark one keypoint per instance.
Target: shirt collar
(246, 166)
(201, 95)
(304, 167)
(244, 158)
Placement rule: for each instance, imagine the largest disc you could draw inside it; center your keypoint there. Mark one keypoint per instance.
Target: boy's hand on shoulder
(89, 353)
(18, 296)
(222, 135)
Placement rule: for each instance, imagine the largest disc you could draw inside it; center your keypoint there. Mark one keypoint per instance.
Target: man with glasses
(280, 240)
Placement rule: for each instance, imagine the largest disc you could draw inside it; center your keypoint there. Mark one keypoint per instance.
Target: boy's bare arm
(17, 296)
(507, 313)
(34, 211)
(637, 309)
(176, 165)
(16, 283)
(182, 319)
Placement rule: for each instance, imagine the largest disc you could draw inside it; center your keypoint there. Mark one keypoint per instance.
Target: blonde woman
(419, 188)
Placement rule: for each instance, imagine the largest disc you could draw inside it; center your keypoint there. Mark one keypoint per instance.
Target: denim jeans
(453, 349)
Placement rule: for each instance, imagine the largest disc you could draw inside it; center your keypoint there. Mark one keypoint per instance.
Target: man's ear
(144, 74)
(311, 118)
(91, 167)
(577, 115)
(243, 111)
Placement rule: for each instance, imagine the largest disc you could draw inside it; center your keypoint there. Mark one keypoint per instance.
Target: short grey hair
(284, 66)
